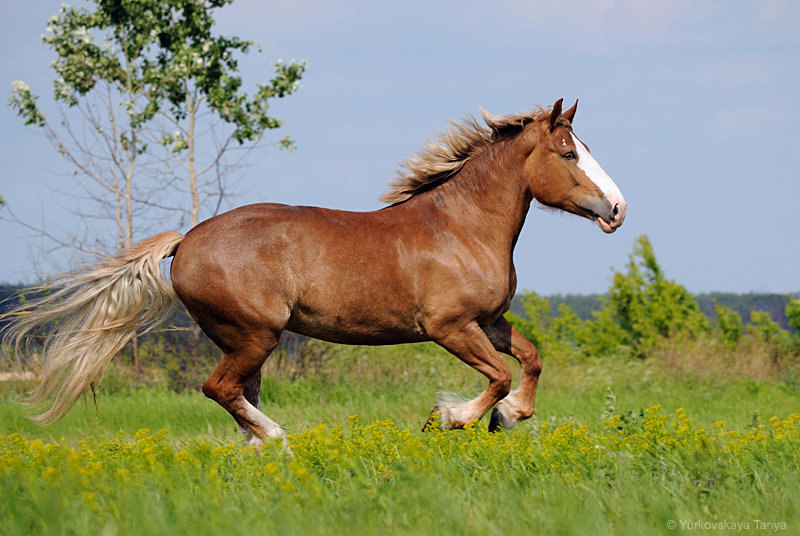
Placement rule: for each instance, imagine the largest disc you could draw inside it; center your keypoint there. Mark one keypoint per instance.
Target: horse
(435, 264)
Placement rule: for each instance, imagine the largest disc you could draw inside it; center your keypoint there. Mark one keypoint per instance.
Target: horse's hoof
(496, 421)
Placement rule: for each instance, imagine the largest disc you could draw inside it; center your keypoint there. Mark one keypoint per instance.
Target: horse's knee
(220, 393)
(209, 389)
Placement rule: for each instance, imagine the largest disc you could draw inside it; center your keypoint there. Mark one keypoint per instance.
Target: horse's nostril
(616, 210)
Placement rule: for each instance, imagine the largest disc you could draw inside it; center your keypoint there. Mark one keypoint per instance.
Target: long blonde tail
(91, 314)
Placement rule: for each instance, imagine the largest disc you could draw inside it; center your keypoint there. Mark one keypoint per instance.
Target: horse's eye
(569, 156)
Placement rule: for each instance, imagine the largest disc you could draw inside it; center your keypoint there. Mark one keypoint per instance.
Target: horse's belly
(370, 337)
(356, 327)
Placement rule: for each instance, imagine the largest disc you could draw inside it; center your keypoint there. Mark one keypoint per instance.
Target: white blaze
(596, 174)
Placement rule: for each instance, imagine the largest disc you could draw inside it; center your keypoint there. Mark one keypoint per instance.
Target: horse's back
(329, 274)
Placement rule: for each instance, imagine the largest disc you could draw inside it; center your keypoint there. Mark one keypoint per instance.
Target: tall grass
(617, 446)
(401, 383)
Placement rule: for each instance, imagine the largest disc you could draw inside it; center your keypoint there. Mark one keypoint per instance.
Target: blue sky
(690, 106)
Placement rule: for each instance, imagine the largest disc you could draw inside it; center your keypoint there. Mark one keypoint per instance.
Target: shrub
(729, 324)
(650, 307)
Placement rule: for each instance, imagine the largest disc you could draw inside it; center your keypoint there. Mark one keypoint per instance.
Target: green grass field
(617, 446)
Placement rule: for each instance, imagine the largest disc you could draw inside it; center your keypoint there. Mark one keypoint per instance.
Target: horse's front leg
(470, 344)
(518, 405)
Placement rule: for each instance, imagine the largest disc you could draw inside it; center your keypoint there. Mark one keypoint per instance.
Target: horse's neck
(487, 198)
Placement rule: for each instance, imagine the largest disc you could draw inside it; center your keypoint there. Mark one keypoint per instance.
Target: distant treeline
(743, 304)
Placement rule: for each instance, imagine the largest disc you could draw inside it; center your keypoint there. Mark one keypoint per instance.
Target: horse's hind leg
(518, 405)
(252, 389)
(252, 393)
(235, 385)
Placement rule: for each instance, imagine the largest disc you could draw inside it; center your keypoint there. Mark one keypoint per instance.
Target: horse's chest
(491, 287)
(497, 299)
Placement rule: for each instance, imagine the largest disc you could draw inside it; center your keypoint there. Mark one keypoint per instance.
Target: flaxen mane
(441, 159)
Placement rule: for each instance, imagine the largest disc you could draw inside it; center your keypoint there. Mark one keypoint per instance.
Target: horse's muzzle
(615, 221)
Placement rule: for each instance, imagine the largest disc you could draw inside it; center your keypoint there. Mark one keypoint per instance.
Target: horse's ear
(555, 114)
(569, 115)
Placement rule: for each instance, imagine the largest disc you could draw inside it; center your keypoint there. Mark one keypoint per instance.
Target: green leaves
(163, 57)
(793, 314)
(25, 103)
(729, 324)
(766, 330)
(250, 115)
(175, 140)
(649, 306)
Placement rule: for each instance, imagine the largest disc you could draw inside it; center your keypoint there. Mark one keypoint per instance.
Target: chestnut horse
(434, 265)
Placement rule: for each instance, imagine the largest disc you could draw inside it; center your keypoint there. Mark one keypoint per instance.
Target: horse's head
(563, 174)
